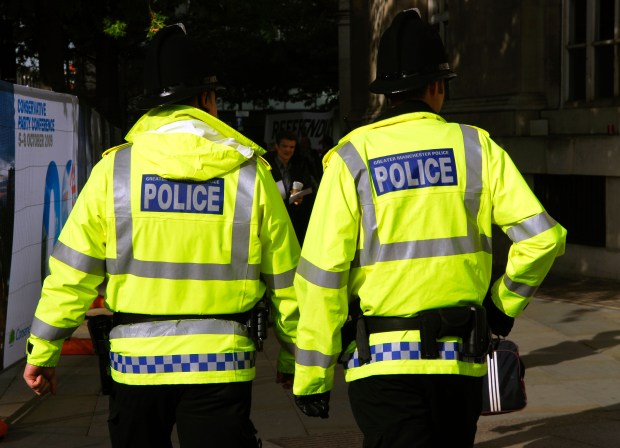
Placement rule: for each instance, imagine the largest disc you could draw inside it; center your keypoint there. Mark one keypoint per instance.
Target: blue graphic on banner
(51, 217)
(411, 170)
(163, 195)
(69, 191)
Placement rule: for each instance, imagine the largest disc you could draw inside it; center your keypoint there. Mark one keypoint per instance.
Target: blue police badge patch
(163, 195)
(418, 169)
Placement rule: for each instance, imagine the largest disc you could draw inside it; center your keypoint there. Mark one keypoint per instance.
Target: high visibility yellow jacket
(185, 219)
(403, 221)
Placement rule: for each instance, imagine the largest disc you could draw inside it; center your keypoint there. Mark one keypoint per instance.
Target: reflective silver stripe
(473, 159)
(374, 251)
(519, 288)
(313, 358)
(279, 281)
(122, 213)
(48, 332)
(473, 189)
(78, 260)
(320, 277)
(359, 172)
(531, 227)
(410, 250)
(125, 263)
(239, 267)
(178, 328)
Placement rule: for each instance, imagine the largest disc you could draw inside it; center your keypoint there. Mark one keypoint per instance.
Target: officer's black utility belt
(256, 320)
(130, 318)
(467, 322)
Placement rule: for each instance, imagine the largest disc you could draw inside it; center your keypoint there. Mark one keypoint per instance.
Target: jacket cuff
(43, 353)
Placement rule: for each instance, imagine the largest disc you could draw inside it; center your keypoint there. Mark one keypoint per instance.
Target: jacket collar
(407, 107)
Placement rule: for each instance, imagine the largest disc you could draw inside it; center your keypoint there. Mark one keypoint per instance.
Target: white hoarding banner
(46, 133)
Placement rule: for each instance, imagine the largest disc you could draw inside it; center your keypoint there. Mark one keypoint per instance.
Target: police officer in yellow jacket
(187, 227)
(399, 242)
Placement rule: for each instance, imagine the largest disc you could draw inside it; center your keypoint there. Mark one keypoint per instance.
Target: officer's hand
(315, 405)
(42, 380)
(286, 379)
(500, 323)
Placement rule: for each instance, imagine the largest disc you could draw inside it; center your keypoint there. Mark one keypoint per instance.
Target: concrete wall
(592, 155)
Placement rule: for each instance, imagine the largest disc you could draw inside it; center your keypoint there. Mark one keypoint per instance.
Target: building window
(592, 49)
(559, 194)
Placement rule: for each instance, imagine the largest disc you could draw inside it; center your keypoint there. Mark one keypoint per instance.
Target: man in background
(293, 173)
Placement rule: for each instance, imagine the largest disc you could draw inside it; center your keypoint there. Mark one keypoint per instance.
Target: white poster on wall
(46, 133)
(313, 125)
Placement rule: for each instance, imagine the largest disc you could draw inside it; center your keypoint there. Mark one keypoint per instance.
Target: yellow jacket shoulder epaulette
(115, 148)
(264, 162)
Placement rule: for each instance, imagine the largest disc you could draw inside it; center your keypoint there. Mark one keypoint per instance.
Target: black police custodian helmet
(410, 56)
(174, 69)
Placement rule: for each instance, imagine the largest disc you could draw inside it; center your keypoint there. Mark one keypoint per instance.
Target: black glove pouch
(477, 342)
(257, 323)
(362, 341)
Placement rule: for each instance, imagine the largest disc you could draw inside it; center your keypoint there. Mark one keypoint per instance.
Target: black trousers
(206, 415)
(417, 411)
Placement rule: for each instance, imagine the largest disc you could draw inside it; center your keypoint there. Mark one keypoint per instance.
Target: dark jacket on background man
(299, 171)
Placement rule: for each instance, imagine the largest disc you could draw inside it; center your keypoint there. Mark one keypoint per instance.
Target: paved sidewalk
(569, 337)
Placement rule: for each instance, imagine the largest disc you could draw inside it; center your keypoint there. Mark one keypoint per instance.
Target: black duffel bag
(504, 385)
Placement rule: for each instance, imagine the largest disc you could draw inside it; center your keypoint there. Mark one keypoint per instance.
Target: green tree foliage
(270, 49)
(260, 49)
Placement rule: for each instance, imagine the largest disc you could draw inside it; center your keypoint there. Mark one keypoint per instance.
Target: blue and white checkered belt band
(182, 363)
(396, 351)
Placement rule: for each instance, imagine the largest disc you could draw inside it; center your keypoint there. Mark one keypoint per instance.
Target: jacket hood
(183, 142)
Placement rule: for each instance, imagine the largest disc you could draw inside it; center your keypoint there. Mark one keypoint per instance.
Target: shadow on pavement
(585, 290)
(596, 428)
(570, 350)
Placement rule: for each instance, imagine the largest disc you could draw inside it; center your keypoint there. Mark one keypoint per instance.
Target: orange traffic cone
(98, 303)
(77, 346)
(4, 429)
